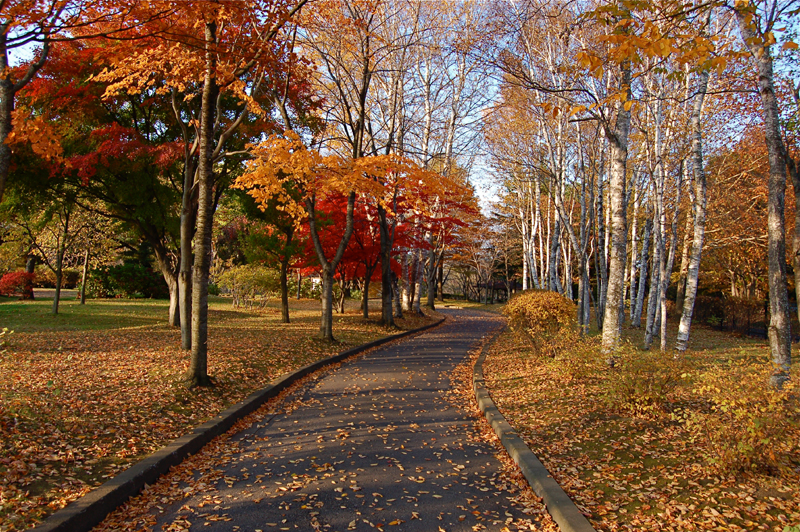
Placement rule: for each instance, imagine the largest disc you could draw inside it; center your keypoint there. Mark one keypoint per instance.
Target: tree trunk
(687, 240)
(431, 273)
(171, 278)
(299, 283)
(188, 219)
(329, 266)
(780, 337)
(83, 276)
(600, 255)
(634, 249)
(365, 297)
(636, 318)
(405, 274)
(653, 290)
(398, 307)
(440, 278)
(326, 322)
(59, 271)
(30, 267)
(666, 272)
(285, 288)
(618, 142)
(6, 110)
(795, 174)
(699, 215)
(386, 243)
(418, 283)
(198, 368)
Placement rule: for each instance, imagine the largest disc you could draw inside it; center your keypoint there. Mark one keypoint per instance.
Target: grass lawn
(654, 443)
(475, 305)
(90, 391)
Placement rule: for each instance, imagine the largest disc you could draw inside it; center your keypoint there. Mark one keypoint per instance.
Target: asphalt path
(373, 444)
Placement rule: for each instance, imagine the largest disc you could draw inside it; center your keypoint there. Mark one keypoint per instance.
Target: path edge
(86, 512)
(563, 510)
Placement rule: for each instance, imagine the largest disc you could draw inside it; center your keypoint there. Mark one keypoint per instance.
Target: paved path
(373, 444)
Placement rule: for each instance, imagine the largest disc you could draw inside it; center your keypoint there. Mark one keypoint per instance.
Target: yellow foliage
(283, 163)
(746, 420)
(545, 316)
(40, 133)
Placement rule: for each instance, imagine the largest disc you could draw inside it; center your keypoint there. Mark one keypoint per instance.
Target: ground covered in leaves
(656, 443)
(92, 390)
(370, 445)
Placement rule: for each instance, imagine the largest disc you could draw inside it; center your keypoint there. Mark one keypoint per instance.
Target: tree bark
(285, 286)
(618, 142)
(405, 279)
(386, 243)
(687, 240)
(780, 337)
(431, 273)
(83, 275)
(365, 297)
(416, 307)
(440, 278)
(398, 307)
(636, 317)
(198, 368)
(699, 215)
(329, 266)
(171, 278)
(30, 267)
(795, 174)
(600, 255)
(634, 248)
(59, 270)
(188, 219)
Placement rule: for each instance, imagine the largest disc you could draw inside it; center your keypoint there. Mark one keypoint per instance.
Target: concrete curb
(84, 513)
(568, 517)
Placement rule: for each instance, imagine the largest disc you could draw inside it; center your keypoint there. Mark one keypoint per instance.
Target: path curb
(564, 512)
(88, 511)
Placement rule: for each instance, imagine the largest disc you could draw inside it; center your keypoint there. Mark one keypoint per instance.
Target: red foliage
(17, 283)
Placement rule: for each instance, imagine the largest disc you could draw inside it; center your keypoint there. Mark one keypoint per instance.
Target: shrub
(18, 282)
(580, 360)
(46, 278)
(744, 421)
(126, 280)
(642, 382)
(709, 310)
(249, 282)
(740, 312)
(547, 317)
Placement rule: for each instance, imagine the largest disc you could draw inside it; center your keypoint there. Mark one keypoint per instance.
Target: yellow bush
(547, 317)
(642, 382)
(745, 421)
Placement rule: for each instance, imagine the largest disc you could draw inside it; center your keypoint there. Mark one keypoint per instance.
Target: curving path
(374, 444)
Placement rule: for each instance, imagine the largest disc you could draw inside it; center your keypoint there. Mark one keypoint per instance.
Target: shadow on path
(373, 444)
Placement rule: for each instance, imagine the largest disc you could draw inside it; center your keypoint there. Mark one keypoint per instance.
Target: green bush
(126, 280)
(548, 318)
(307, 290)
(250, 283)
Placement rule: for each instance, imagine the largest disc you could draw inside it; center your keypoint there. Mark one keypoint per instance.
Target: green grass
(102, 314)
